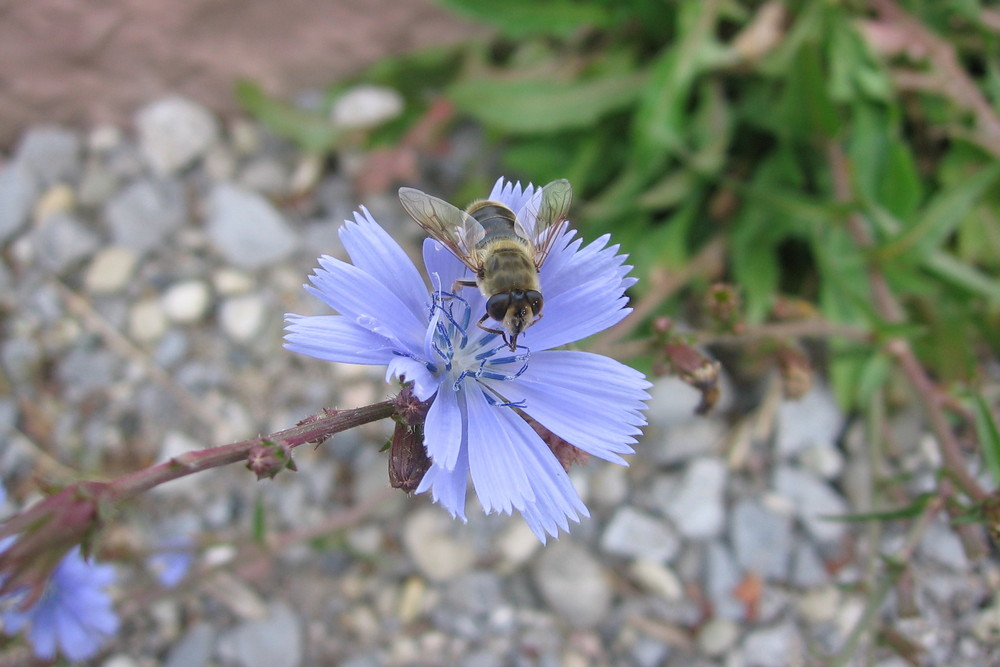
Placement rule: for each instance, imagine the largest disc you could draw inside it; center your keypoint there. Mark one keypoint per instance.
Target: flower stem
(312, 429)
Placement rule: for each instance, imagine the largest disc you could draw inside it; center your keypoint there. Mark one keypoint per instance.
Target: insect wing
(540, 219)
(452, 227)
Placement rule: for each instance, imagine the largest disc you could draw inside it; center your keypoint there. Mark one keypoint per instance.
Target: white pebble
(110, 270)
(147, 321)
(187, 301)
(242, 317)
(229, 282)
(174, 132)
(366, 106)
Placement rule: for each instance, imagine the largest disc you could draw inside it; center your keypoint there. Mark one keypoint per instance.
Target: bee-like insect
(504, 249)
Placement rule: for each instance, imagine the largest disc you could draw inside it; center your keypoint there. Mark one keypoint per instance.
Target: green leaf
(989, 435)
(312, 132)
(540, 105)
(259, 520)
(963, 276)
(519, 18)
(907, 512)
(940, 217)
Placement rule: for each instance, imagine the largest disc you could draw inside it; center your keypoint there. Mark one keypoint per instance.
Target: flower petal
(443, 429)
(591, 401)
(376, 253)
(448, 487)
(336, 338)
(584, 291)
(360, 297)
(495, 455)
(556, 500)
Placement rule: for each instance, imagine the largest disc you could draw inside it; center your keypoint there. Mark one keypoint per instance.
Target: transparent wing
(540, 219)
(452, 227)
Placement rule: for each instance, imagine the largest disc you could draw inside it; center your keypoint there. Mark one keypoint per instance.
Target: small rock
(18, 191)
(110, 270)
(675, 402)
(632, 533)
(824, 460)
(52, 154)
(186, 301)
(657, 579)
(274, 641)
(696, 505)
(761, 539)
(820, 605)
(814, 501)
(773, 647)
(941, 544)
(718, 636)
(687, 440)
(97, 185)
(573, 584)
(609, 485)
(147, 321)
(265, 175)
(245, 229)
(174, 132)
(814, 419)
(230, 282)
(366, 106)
(104, 138)
(722, 576)
(242, 316)
(194, 649)
(516, 544)
(58, 199)
(808, 570)
(145, 213)
(986, 625)
(61, 241)
(438, 551)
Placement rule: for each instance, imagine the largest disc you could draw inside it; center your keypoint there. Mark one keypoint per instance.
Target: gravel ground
(142, 288)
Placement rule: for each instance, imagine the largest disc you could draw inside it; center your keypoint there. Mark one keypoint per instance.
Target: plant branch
(312, 429)
(929, 394)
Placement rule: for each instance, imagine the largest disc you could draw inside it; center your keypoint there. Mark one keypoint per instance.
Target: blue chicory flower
(74, 614)
(480, 390)
(173, 560)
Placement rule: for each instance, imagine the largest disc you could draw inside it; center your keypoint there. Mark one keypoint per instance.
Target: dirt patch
(80, 63)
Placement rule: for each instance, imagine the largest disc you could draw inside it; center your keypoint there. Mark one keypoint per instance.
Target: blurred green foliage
(780, 127)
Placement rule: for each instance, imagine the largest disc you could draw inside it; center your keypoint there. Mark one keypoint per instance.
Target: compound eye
(534, 298)
(497, 305)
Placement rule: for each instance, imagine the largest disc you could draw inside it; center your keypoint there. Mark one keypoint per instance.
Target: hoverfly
(504, 249)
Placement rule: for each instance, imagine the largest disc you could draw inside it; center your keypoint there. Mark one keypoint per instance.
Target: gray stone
(634, 534)
(815, 502)
(62, 241)
(814, 419)
(52, 154)
(273, 641)
(145, 213)
(573, 584)
(194, 649)
(761, 539)
(942, 545)
(722, 576)
(265, 175)
(696, 505)
(174, 132)
(438, 550)
(808, 570)
(775, 646)
(18, 191)
(687, 440)
(246, 229)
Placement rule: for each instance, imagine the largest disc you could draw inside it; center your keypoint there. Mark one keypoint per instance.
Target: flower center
(462, 350)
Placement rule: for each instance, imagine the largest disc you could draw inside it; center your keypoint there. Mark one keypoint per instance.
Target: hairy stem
(312, 429)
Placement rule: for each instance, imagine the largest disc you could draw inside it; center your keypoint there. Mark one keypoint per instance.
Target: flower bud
(697, 370)
(268, 458)
(46, 532)
(408, 460)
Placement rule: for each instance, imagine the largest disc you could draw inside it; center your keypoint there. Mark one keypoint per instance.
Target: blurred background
(808, 192)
